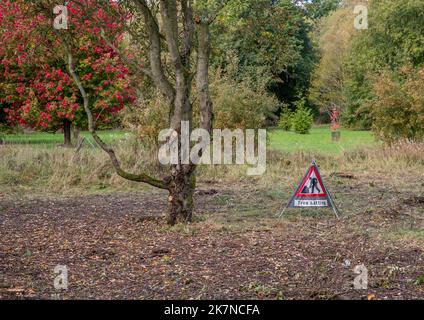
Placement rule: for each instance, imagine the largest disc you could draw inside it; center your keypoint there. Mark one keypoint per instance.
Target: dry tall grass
(59, 170)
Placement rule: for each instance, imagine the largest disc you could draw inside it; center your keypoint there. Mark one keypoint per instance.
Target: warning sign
(311, 192)
(312, 185)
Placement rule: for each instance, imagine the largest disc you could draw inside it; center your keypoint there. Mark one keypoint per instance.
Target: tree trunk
(67, 133)
(170, 26)
(181, 195)
(76, 134)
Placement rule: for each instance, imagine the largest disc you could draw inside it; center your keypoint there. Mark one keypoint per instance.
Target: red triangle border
(299, 193)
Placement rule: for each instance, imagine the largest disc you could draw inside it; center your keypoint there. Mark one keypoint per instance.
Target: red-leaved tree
(171, 45)
(36, 88)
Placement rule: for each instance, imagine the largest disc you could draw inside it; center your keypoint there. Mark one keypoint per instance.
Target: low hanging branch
(91, 126)
(175, 30)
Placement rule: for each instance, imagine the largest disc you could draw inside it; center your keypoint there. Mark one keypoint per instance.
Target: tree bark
(181, 194)
(67, 133)
(203, 55)
(182, 175)
(76, 133)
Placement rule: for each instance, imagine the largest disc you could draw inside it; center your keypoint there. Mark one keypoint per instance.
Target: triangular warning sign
(311, 185)
(311, 192)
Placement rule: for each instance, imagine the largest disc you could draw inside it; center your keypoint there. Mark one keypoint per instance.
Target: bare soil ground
(118, 245)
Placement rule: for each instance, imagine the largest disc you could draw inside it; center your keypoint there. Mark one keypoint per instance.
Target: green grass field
(319, 140)
(53, 139)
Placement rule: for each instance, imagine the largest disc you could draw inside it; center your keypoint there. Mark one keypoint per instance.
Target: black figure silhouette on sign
(305, 190)
(313, 185)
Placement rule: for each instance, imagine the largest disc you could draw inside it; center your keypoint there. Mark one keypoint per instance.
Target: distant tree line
(374, 76)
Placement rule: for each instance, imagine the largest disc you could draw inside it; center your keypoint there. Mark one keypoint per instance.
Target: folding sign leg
(335, 210)
(280, 214)
(333, 206)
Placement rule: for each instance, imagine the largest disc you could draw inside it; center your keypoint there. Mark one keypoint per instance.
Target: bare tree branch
(115, 162)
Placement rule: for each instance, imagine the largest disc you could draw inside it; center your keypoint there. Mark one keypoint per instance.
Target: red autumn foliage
(36, 89)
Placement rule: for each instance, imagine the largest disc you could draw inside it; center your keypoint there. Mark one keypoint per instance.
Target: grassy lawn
(57, 138)
(319, 141)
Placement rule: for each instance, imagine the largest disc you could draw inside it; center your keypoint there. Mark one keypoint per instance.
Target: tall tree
(171, 32)
(37, 90)
(334, 38)
(270, 40)
(395, 38)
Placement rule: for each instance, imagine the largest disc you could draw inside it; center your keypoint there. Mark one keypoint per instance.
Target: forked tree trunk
(181, 195)
(163, 25)
(67, 133)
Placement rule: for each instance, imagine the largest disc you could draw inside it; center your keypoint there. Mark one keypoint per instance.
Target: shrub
(286, 120)
(398, 108)
(302, 118)
(241, 104)
(147, 119)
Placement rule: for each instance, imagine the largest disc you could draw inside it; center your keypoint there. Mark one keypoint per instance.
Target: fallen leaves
(120, 247)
